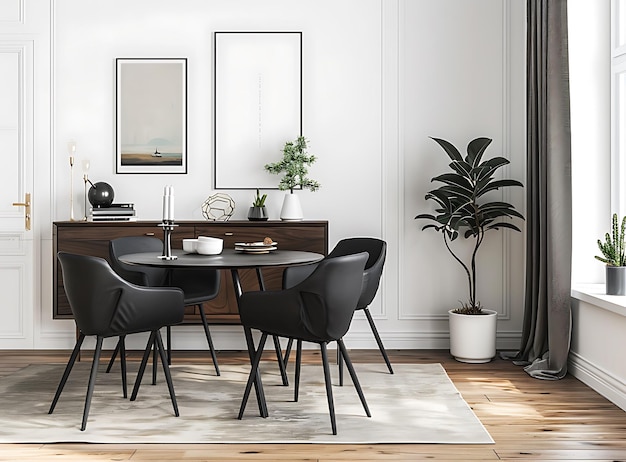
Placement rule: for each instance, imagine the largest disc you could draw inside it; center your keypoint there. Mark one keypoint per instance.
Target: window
(618, 106)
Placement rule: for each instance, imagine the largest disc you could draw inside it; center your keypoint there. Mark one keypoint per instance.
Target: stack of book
(114, 212)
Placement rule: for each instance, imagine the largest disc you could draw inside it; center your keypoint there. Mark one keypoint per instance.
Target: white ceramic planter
(473, 337)
(291, 210)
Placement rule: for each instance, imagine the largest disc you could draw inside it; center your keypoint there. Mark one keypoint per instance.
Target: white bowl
(209, 245)
(190, 245)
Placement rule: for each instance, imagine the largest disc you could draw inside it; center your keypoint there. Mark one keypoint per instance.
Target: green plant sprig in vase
(294, 166)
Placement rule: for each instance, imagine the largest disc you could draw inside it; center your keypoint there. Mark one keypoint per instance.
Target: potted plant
(258, 212)
(614, 256)
(464, 210)
(294, 166)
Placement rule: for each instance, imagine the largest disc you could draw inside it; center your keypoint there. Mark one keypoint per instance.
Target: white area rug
(418, 404)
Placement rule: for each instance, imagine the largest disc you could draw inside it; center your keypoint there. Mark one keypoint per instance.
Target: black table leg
(282, 363)
(258, 385)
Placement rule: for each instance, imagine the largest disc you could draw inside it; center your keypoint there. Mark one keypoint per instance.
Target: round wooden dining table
(233, 260)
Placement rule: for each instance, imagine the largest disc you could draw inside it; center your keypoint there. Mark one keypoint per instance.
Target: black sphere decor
(100, 194)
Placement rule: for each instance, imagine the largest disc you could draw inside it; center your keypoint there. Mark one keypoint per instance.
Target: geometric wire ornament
(219, 207)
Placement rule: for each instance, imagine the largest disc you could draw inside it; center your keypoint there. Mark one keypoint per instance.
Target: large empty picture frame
(151, 113)
(258, 104)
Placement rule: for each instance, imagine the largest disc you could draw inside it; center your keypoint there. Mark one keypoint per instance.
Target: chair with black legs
(319, 309)
(198, 285)
(377, 250)
(105, 305)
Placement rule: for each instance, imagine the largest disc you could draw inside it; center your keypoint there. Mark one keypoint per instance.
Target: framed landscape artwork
(257, 103)
(151, 115)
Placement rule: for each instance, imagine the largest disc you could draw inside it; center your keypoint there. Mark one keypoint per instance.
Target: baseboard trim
(232, 338)
(600, 380)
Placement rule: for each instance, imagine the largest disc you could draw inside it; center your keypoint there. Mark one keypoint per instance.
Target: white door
(23, 48)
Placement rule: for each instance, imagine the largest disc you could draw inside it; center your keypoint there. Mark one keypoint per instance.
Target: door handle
(25, 204)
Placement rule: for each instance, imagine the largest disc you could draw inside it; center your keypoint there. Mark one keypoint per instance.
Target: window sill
(594, 294)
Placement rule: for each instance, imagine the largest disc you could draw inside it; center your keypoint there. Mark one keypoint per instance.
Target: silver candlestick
(71, 188)
(168, 227)
(71, 149)
(86, 165)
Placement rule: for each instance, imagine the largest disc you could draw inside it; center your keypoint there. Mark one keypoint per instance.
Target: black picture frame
(151, 115)
(257, 104)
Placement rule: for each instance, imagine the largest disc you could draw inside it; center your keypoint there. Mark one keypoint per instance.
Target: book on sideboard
(115, 205)
(114, 211)
(105, 212)
(99, 218)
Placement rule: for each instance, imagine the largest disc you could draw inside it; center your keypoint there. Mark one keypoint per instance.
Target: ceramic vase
(291, 210)
(257, 214)
(616, 280)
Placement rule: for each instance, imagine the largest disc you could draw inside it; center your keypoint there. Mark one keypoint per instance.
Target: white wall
(598, 324)
(380, 77)
(342, 98)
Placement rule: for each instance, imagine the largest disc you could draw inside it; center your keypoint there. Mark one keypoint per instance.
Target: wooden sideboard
(89, 238)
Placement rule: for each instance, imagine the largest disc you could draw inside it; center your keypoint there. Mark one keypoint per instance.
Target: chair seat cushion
(289, 314)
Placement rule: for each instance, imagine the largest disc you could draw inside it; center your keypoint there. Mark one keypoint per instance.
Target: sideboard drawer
(310, 239)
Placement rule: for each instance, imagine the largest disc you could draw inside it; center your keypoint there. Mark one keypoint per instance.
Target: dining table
(232, 260)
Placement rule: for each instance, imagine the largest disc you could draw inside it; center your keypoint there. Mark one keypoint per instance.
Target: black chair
(319, 309)
(198, 285)
(105, 305)
(377, 250)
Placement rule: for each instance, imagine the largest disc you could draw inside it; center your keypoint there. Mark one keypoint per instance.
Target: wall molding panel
(12, 12)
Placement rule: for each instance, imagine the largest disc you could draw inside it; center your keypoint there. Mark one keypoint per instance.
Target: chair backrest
(140, 275)
(330, 295)
(377, 250)
(105, 304)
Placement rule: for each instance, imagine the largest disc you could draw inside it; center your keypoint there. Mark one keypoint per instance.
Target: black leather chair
(319, 309)
(105, 305)
(377, 250)
(198, 285)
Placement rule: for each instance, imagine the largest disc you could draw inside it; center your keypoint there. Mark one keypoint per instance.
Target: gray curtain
(547, 318)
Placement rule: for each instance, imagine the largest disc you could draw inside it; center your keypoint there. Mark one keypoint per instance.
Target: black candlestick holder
(168, 227)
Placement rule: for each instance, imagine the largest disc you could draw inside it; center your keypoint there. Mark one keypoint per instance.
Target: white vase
(473, 336)
(291, 210)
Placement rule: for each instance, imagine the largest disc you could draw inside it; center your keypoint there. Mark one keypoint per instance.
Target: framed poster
(257, 104)
(151, 115)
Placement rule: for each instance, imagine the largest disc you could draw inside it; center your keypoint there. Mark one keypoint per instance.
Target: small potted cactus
(258, 212)
(614, 256)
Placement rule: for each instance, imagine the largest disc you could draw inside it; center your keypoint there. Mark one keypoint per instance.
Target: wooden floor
(529, 419)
